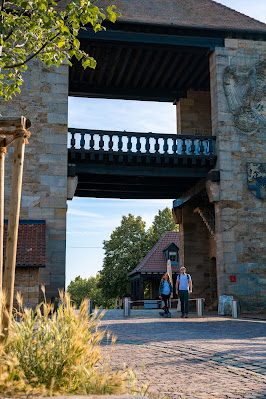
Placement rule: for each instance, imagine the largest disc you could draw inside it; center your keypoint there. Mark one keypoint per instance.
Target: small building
(31, 256)
(146, 276)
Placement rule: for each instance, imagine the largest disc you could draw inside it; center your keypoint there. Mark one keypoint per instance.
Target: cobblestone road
(195, 358)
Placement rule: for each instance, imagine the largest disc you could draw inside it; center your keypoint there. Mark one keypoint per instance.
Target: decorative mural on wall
(245, 91)
(257, 179)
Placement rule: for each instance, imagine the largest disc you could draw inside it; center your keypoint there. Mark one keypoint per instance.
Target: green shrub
(49, 353)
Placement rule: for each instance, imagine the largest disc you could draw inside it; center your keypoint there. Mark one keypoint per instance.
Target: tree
(41, 29)
(124, 250)
(82, 288)
(128, 245)
(162, 222)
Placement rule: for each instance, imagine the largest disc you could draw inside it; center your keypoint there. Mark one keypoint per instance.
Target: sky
(91, 220)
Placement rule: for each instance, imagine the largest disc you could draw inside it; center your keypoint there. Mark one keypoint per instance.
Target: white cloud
(78, 212)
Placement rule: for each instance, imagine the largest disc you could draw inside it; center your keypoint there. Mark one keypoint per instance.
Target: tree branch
(33, 55)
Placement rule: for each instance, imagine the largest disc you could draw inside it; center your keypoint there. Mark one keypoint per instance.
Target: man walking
(183, 289)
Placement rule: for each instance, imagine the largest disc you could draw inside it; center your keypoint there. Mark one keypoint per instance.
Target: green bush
(49, 353)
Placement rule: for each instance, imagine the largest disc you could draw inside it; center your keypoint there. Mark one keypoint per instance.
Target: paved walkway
(195, 358)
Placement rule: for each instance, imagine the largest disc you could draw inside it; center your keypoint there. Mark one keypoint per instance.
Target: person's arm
(190, 285)
(177, 285)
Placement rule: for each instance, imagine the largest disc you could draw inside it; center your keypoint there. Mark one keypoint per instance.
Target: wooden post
(2, 191)
(12, 231)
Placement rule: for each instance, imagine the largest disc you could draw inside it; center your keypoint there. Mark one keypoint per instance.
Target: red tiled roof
(155, 260)
(184, 13)
(31, 249)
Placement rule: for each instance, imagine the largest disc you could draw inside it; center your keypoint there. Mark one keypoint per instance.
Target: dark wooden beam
(182, 67)
(202, 68)
(171, 70)
(163, 95)
(140, 171)
(153, 67)
(123, 65)
(141, 67)
(151, 38)
(189, 71)
(161, 70)
(114, 65)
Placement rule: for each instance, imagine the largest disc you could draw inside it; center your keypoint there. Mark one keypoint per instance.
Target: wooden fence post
(12, 230)
(2, 193)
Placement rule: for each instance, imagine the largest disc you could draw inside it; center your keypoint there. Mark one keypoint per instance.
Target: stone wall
(27, 283)
(44, 100)
(238, 75)
(193, 114)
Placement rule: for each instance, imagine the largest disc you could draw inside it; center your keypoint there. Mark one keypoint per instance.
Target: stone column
(238, 74)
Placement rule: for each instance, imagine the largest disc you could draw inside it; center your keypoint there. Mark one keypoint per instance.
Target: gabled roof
(155, 260)
(184, 13)
(31, 250)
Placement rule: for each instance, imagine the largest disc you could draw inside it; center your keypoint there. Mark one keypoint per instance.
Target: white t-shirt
(183, 281)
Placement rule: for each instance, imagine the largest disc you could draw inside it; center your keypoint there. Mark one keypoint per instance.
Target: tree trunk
(12, 231)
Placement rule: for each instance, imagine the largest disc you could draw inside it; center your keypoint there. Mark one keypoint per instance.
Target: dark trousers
(183, 295)
(165, 298)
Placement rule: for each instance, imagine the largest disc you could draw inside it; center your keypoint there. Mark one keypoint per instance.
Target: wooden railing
(101, 141)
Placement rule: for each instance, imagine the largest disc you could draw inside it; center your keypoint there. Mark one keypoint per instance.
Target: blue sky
(91, 220)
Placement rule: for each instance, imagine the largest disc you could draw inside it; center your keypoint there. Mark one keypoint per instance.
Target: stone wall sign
(257, 179)
(245, 91)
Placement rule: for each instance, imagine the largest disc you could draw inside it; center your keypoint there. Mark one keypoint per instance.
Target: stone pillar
(194, 113)
(238, 74)
(194, 250)
(44, 100)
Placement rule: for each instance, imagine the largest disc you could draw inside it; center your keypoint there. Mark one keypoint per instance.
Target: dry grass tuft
(52, 353)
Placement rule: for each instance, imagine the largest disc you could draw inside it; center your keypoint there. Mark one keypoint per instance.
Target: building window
(173, 256)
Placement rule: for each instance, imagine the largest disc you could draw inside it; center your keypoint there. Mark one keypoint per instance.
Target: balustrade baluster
(110, 143)
(210, 146)
(129, 144)
(92, 142)
(82, 140)
(82, 145)
(192, 148)
(184, 146)
(101, 142)
(174, 147)
(73, 140)
(101, 145)
(120, 143)
(147, 145)
(138, 145)
(165, 145)
(157, 145)
(201, 148)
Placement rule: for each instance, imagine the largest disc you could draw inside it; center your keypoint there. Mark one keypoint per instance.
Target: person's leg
(164, 298)
(186, 297)
(181, 296)
(168, 302)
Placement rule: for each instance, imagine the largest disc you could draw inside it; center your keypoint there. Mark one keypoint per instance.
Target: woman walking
(165, 290)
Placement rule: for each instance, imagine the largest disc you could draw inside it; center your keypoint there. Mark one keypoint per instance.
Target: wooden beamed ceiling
(140, 71)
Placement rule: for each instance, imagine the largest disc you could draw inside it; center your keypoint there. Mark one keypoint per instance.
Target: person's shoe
(182, 315)
(186, 316)
(169, 315)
